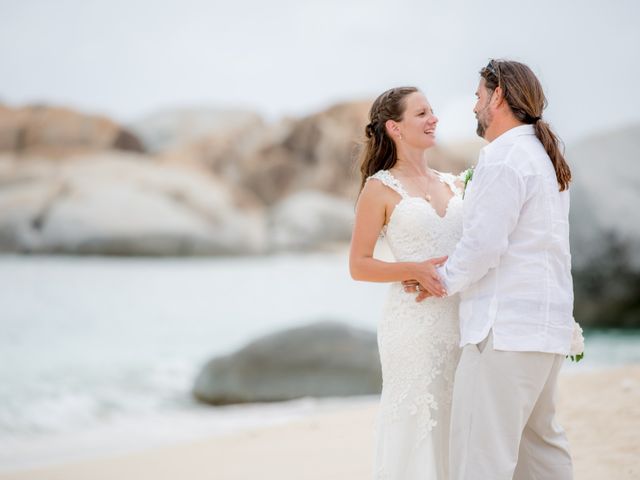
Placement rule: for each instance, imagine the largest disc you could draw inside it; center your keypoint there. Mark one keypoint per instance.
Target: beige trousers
(503, 423)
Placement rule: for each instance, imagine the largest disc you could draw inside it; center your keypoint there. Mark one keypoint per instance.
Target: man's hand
(427, 282)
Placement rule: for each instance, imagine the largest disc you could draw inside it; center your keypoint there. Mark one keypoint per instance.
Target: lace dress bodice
(418, 344)
(415, 231)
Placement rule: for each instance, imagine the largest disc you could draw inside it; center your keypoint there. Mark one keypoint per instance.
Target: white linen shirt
(512, 265)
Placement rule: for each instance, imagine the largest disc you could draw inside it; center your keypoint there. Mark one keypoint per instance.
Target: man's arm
(491, 212)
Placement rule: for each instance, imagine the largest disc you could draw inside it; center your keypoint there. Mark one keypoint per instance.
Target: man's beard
(483, 122)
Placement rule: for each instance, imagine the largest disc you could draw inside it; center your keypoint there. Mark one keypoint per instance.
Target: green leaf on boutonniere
(468, 175)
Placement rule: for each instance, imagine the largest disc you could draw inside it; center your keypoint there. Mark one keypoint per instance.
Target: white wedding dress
(418, 345)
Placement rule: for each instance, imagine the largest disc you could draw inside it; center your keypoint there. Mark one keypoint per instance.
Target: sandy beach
(600, 411)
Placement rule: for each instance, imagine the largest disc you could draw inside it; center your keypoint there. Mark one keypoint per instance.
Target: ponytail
(552, 144)
(523, 93)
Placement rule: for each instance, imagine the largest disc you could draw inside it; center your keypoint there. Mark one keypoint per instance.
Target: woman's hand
(412, 286)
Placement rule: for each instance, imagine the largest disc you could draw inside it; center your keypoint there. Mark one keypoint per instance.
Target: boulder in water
(319, 360)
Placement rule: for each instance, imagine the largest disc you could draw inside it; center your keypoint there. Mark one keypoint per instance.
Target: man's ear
(497, 97)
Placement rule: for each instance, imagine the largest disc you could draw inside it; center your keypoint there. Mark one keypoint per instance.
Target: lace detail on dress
(390, 181)
(450, 179)
(418, 345)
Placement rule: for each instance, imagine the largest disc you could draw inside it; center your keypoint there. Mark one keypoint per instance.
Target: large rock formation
(319, 360)
(309, 219)
(120, 204)
(57, 132)
(605, 228)
(320, 152)
(316, 152)
(172, 130)
(65, 188)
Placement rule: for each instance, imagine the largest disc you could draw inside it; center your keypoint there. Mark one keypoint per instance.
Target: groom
(512, 268)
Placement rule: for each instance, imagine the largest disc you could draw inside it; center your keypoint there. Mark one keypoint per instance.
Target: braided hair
(379, 150)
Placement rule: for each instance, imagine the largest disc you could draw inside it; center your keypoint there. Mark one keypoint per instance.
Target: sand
(599, 410)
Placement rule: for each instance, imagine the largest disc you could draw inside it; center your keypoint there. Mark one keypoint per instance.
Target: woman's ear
(392, 129)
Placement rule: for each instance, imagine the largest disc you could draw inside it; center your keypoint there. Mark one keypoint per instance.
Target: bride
(419, 211)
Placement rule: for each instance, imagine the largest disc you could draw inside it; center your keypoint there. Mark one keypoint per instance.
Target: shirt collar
(508, 137)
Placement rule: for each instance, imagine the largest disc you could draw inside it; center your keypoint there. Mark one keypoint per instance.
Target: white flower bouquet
(576, 352)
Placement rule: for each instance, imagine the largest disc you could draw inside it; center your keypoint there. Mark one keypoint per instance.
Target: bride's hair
(523, 93)
(379, 150)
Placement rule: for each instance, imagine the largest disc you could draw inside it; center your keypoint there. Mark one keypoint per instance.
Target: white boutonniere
(576, 352)
(467, 175)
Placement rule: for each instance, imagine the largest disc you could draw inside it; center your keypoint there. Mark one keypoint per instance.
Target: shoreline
(132, 435)
(600, 411)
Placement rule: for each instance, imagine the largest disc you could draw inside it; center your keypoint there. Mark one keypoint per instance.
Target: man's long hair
(523, 93)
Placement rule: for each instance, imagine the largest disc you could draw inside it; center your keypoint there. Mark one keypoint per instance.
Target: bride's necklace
(425, 194)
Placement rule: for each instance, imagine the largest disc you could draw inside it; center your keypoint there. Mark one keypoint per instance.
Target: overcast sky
(130, 58)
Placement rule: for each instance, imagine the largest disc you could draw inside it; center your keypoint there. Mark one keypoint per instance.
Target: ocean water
(98, 355)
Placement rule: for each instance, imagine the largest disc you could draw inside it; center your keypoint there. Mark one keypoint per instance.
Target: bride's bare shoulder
(374, 188)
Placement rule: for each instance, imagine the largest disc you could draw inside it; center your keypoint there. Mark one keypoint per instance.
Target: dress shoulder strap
(450, 179)
(390, 181)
